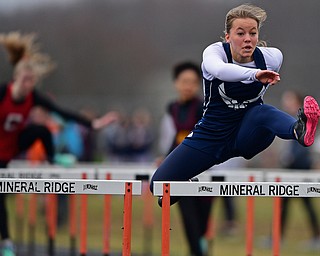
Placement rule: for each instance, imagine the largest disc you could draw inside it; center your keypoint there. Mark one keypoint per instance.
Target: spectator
(130, 139)
(181, 116)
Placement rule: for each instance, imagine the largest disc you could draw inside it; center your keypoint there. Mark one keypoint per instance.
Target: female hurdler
(235, 121)
(16, 101)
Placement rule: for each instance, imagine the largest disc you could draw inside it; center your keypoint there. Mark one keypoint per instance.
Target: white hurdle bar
(244, 189)
(68, 186)
(295, 176)
(123, 172)
(48, 173)
(82, 187)
(264, 189)
(232, 175)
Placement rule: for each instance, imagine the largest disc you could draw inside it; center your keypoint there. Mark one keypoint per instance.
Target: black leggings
(195, 214)
(4, 231)
(307, 201)
(26, 138)
(33, 132)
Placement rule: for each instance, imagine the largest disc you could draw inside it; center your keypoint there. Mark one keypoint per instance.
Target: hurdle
(239, 175)
(82, 187)
(51, 208)
(238, 189)
(280, 176)
(135, 172)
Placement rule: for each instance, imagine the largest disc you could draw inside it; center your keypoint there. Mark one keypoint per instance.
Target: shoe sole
(311, 110)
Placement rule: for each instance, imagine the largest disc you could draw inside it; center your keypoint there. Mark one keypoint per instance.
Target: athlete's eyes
(253, 33)
(240, 33)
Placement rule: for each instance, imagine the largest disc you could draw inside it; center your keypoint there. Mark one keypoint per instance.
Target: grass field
(298, 228)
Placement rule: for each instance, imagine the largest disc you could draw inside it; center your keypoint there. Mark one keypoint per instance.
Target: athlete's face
(243, 39)
(187, 85)
(24, 82)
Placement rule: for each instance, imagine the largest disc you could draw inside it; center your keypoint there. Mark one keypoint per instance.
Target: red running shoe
(306, 125)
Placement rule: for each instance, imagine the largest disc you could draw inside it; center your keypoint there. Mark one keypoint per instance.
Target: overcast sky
(11, 5)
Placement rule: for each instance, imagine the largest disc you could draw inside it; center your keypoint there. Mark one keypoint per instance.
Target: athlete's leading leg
(314, 224)
(259, 127)
(33, 132)
(262, 123)
(195, 214)
(182, 164)
(7, 244)
(4, 230)
(308, 117)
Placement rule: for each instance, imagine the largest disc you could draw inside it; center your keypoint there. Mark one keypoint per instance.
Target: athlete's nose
(247, 38)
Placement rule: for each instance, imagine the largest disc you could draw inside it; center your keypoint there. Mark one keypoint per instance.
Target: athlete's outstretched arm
(105, 120)
(96, 123)
(216, 64)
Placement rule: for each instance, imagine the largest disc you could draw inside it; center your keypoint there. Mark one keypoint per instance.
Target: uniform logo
(235, 104)
(12, 121)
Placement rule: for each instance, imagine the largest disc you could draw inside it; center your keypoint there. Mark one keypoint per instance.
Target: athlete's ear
(227, 37)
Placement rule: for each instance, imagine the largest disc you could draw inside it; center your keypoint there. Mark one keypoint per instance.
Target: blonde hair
(23, 53)
(245, 11)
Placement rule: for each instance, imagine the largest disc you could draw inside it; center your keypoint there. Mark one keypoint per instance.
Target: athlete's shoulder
(215, 45)
(213, 48)
(213, 56)
(41, 99)
(272, 52)
(273, 57)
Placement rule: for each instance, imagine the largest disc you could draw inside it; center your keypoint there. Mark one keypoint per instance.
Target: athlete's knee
(153, 179)
(159, 175)
(261, 114)
(249, 156)
(151, 185)
(39, 131)
(42, 131)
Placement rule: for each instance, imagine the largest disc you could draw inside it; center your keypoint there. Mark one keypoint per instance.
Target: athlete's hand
(105, 120)
(268, 77)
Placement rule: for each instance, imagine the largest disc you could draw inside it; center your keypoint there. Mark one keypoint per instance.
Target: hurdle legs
(32, 223)
(148, 221)
(106, 225)
(250, 223)
(19, 220)
(52, 205)
(83, 222)
(72, 224)
(127, 221)
(166, 220)
(276, 232)
(107, 222)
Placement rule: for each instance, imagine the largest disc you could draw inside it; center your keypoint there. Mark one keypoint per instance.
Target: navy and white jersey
(231, 88)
